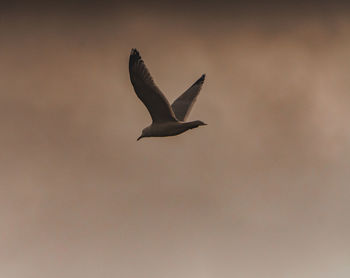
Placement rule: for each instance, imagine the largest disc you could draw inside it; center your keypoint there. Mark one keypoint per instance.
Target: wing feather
(147, 91)
(183, 104)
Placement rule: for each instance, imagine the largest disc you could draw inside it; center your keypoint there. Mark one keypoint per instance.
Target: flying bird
(166, 120)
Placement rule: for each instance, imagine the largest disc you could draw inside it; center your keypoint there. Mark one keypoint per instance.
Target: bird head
(145, 133)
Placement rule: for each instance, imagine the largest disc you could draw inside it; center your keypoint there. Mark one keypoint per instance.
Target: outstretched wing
(183, 104)
(147, 91)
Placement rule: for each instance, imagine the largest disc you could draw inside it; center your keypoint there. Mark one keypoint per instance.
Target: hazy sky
(262, 191)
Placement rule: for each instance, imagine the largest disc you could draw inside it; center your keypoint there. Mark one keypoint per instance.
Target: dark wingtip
(200, 80)
(134, 52)
(134, 57)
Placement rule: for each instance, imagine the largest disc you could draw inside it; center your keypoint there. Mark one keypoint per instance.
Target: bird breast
(168, 129)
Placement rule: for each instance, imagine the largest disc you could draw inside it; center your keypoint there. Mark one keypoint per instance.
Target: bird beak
(139, 138)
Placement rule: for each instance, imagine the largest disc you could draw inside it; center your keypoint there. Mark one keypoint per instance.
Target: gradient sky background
(262, 191)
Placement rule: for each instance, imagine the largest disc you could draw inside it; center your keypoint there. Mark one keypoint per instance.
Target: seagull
(166, 120)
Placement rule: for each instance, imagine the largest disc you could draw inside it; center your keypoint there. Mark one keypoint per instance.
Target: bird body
(168, 128)
(166, 120)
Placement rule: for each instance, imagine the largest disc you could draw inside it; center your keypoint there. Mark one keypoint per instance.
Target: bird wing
(147, 91)
(183, 104)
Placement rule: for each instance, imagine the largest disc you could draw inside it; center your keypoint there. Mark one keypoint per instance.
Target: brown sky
(262, 191)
